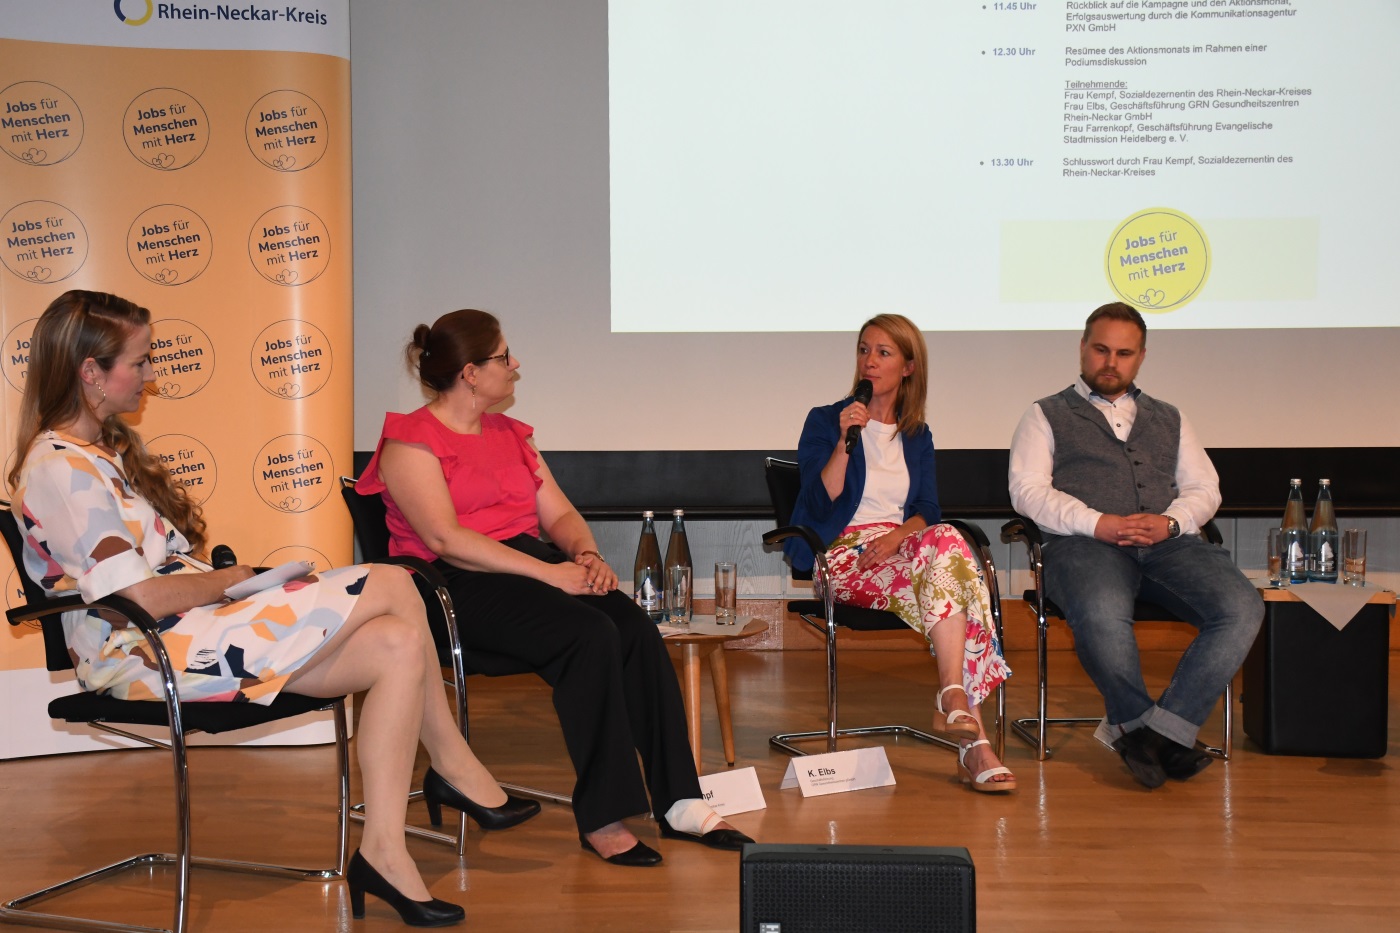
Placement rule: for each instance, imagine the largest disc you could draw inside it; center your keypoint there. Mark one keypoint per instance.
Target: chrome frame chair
(368, 516)
(182, 719)
(826, 615)
(1034, 730)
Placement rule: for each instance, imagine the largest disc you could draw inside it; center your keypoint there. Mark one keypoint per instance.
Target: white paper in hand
(266, 580)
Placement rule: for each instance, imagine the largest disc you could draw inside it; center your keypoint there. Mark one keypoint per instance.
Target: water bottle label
(1326, 560)
(647, 597)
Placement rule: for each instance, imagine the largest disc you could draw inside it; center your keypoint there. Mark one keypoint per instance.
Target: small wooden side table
(705, 638)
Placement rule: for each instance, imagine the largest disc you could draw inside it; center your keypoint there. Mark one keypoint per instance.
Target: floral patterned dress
(932, 576)
(86, 529)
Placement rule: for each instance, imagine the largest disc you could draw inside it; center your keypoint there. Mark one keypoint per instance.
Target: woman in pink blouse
(468, 489)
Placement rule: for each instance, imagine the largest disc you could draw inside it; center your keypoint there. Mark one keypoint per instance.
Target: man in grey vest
(1120, 486)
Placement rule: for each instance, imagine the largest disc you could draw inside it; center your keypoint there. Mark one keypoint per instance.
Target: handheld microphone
(863, 393)
(222, 556)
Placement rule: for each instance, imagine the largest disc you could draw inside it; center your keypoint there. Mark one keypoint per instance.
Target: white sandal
(959, 722)
(983, 782)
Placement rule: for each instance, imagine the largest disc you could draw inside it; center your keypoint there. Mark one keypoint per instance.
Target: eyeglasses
(503, 357)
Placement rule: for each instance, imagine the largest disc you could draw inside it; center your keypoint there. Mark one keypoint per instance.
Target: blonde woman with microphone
(869, 491)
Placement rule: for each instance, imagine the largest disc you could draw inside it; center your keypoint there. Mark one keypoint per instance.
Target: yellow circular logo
(1158, 260)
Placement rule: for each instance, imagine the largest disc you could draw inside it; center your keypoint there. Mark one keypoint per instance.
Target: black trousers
(615, 688)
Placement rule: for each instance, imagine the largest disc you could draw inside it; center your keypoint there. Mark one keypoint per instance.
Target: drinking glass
(678, 595)
(1275, 552)
(1354, 556)
(726, 592)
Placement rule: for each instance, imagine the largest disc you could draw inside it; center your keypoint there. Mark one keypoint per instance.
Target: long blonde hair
(82, 325)
(909, 402)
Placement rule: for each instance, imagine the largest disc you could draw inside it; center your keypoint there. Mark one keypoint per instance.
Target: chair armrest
(430, 574)
(134, 613)
(1212, 533)
(149, 627)
(1021, 528)
(30, 612)
(795, 531)
(975, 536)
(442, 621)
(982, 553)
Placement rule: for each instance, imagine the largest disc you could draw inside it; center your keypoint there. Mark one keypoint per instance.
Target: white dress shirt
(1033, 493)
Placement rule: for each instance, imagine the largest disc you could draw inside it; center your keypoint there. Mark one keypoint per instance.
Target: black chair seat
(853, 617)
(210, 717)
(180, 719)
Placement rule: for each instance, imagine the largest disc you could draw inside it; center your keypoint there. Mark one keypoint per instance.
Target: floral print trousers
(932, 576)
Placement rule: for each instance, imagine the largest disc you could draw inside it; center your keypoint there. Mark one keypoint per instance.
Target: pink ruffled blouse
(491, 476)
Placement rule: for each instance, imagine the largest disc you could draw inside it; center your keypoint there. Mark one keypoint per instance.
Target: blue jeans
(1096, 584)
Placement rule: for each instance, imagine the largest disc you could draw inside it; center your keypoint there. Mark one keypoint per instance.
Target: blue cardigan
(827, 516)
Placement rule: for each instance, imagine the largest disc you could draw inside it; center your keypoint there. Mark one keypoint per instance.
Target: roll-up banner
(193, 157)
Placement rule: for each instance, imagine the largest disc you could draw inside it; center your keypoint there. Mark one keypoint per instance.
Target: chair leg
(182, 860)
(459, 694)
(994, 591)
(832, 687)
(1227, 738)
(785, 740)
(1035, 730)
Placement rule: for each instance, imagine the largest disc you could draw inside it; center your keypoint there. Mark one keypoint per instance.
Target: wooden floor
(1263, 843)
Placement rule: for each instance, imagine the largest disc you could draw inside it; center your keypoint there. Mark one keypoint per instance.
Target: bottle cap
(678, 512)
(1324, 482)
(1296, 482)
(648, 514)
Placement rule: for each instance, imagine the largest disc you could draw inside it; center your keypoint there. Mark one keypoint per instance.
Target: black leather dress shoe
(1179, 762)
(728, 839)
(1139, 750)
(437, 792)
(640, 855)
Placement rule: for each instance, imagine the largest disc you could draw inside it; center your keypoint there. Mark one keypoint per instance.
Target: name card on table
(730, 792)
(838, 772)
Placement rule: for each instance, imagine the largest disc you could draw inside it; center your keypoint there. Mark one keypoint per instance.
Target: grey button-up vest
(1106, 474)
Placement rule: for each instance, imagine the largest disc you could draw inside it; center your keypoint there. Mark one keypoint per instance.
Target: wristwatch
(1173, 528)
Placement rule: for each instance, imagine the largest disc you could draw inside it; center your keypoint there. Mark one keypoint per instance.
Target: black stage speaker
(856, 889)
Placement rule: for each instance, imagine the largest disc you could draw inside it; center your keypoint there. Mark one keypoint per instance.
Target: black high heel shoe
(361, 876)
(437, 792)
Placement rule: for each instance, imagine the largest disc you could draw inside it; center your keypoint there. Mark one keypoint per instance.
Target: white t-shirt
(886, 475)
